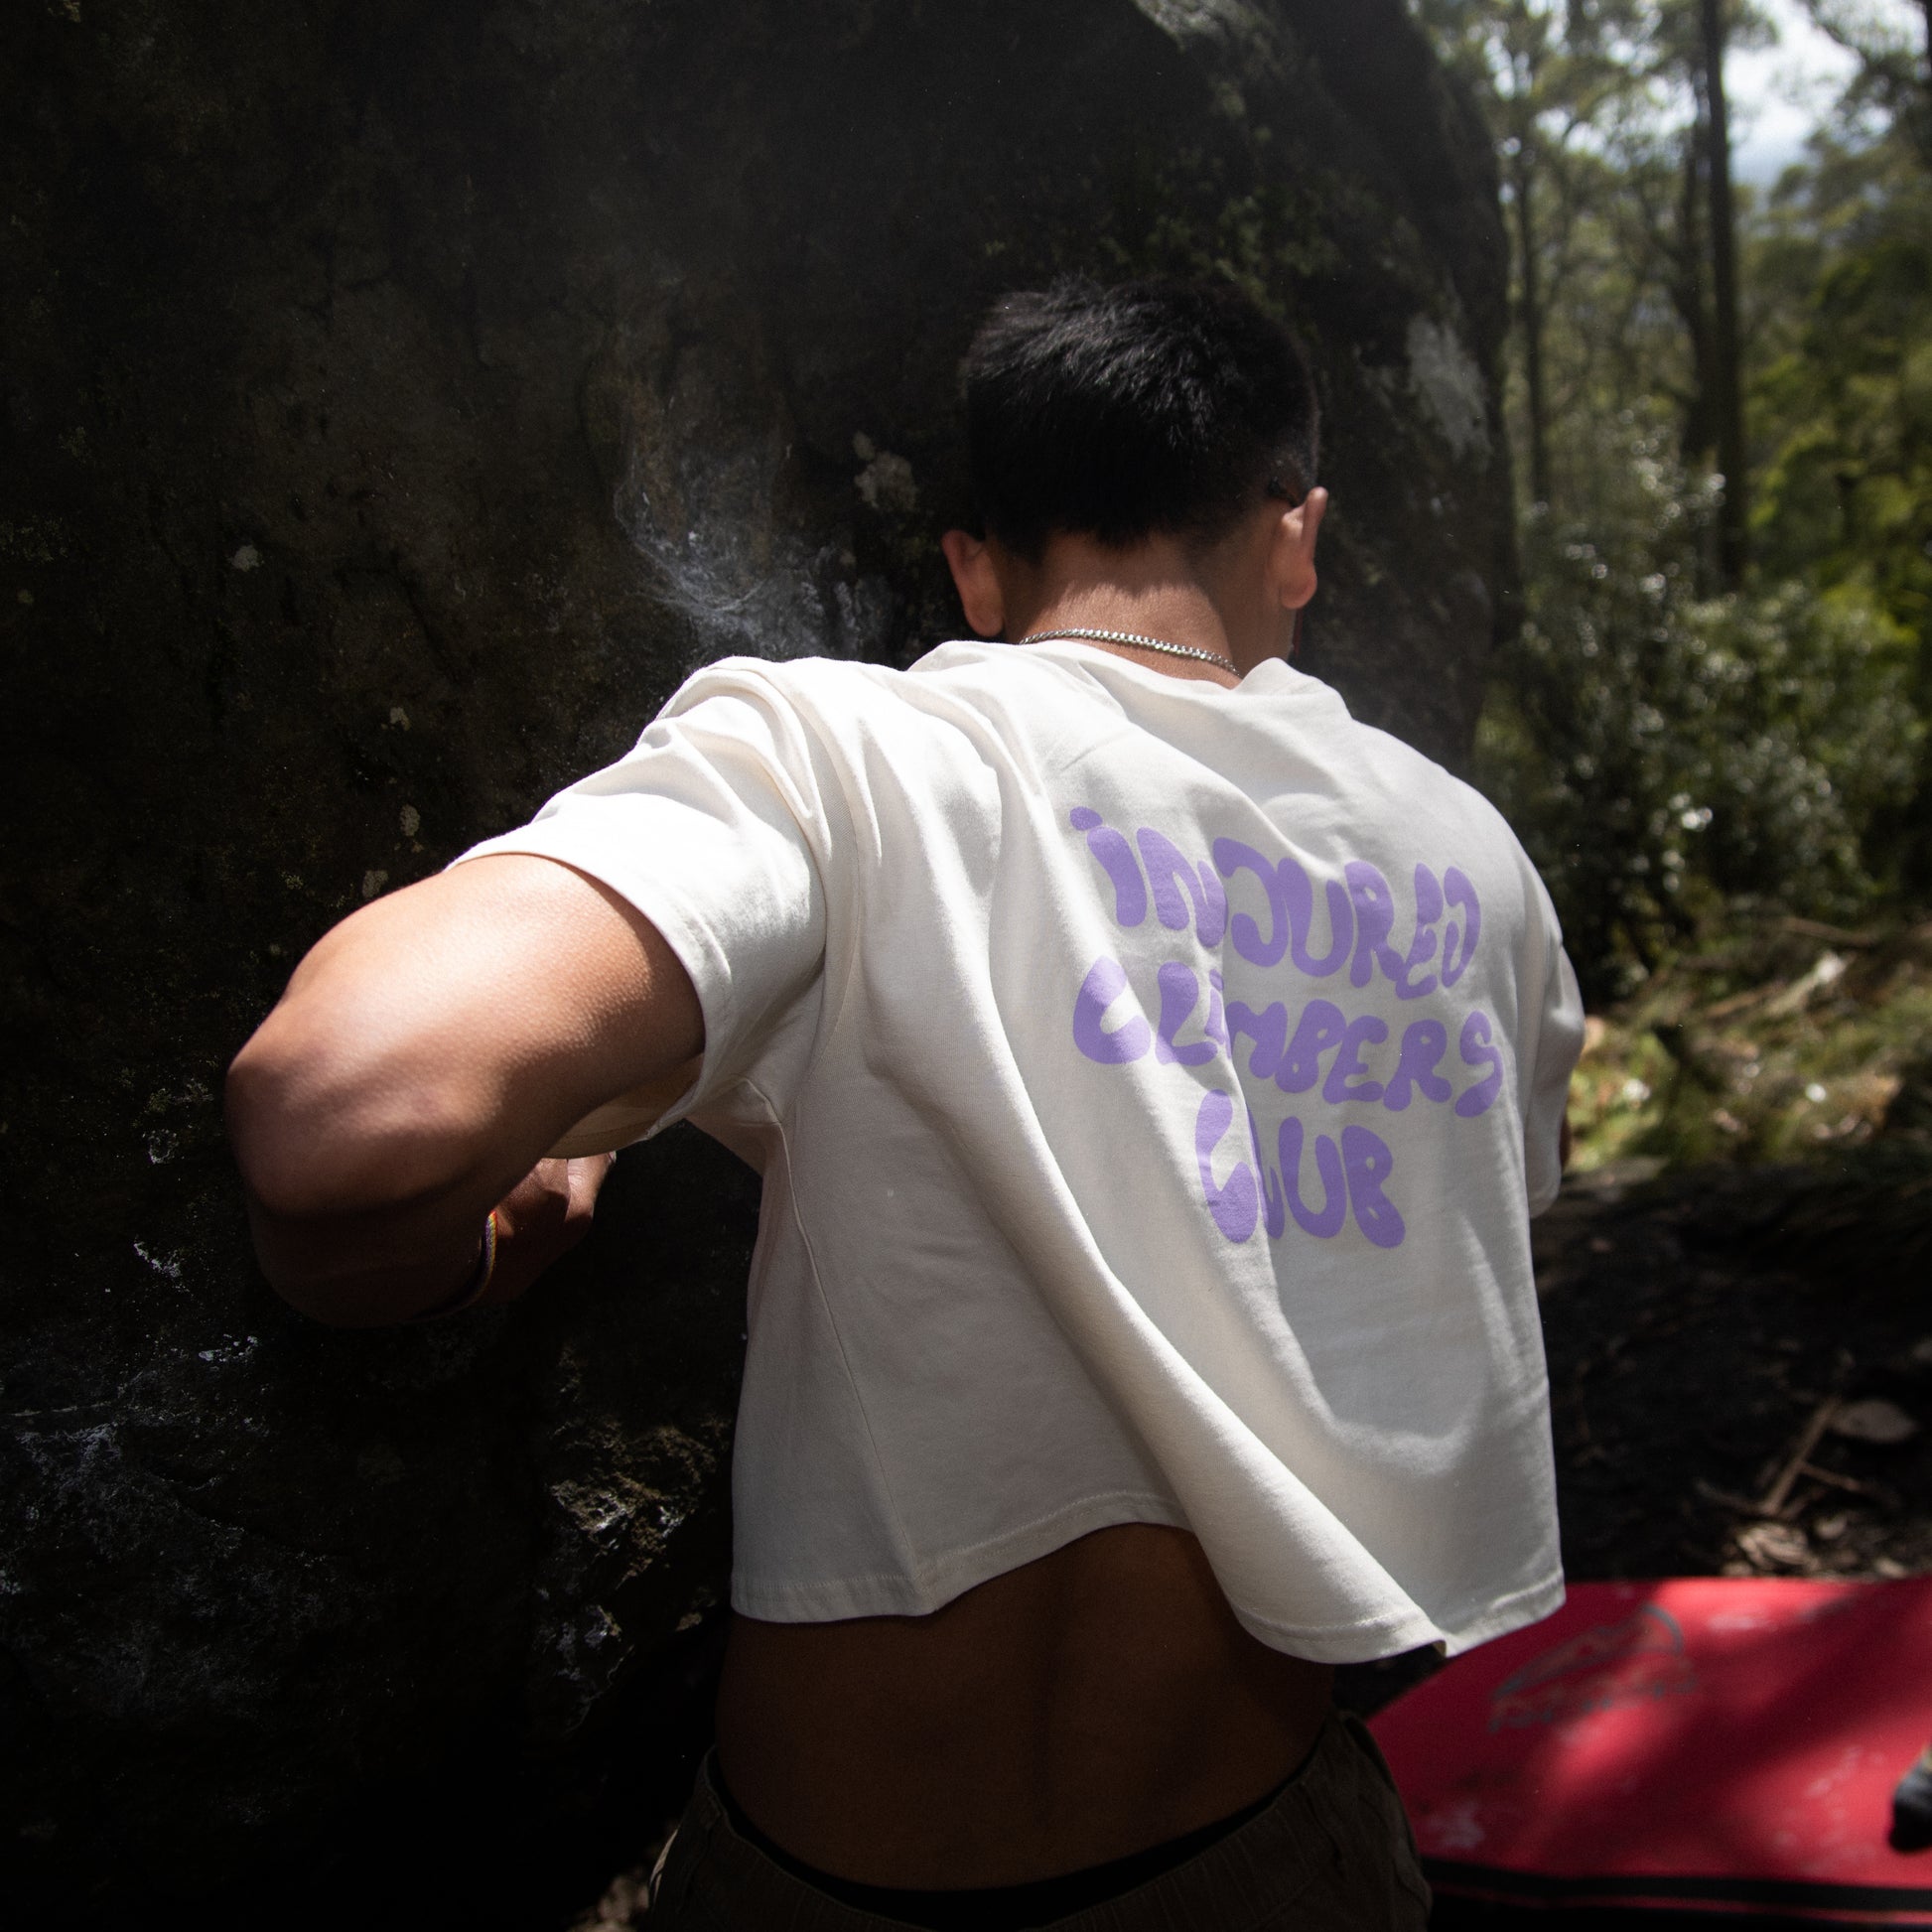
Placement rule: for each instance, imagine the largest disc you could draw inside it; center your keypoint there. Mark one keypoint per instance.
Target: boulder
(399, 402)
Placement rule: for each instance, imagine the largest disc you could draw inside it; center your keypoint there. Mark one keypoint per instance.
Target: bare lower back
(1077, 1710)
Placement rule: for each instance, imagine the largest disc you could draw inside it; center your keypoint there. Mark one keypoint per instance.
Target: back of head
(1126, 412)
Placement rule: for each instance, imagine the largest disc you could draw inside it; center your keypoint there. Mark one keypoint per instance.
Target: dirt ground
(1696, 1333)
(1725, 1344)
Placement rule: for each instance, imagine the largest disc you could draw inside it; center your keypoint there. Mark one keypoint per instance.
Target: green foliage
(1890, 83)
(1674, 759)
(1660, 752)
(1779, 1041)
(1844, 394)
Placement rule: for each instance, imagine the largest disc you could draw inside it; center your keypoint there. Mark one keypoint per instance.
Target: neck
(1153, 590)
(1119, 638)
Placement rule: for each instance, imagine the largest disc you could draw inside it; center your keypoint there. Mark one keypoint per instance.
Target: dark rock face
(399, 402)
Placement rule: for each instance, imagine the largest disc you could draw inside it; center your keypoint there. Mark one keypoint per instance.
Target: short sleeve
(1559, 1041)
(712, 827)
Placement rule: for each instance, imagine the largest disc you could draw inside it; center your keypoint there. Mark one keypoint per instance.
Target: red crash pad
(1710, 1744)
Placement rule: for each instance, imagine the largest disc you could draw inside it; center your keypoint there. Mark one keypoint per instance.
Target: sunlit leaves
(1663, 749)
(1659, 751)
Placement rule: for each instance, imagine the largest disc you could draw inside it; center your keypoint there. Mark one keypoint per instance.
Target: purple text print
(1098, 991)
(1479, 1051)
(1290, 906)
(1348, 1078)
(1462, 894)
(1179, 995)
(1323, 1025)
(1351, 1177)
(1423, 1042)
(1116, 859)
(1367, 1161)
(1349, 1061)
(1325, 1222)
(1419, 937)
(1375, 919)
(1167, 864)
(1360, 910)
(1235, 1202)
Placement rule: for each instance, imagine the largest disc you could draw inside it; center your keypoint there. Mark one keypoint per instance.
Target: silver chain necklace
(1132, 638)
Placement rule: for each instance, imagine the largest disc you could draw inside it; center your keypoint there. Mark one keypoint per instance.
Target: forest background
(1712, 727)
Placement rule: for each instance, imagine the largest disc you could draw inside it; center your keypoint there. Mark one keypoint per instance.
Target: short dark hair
(1121, 413)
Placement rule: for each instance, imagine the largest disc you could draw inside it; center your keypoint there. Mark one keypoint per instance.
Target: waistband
(1037, 1902)
(1247, 1866)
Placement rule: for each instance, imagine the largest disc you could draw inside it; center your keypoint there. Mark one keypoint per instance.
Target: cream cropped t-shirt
(1152, 1085)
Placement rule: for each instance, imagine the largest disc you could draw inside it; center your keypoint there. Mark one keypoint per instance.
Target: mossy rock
(400, 402)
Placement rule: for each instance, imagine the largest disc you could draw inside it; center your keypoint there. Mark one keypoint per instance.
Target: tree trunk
(1530, 317)
(1727, 399)
(1685, 281)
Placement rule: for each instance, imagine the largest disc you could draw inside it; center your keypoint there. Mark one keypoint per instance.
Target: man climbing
(1152, 1071)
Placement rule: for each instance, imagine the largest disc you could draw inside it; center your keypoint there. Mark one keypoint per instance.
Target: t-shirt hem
(935, 1583)
(1368, 1639)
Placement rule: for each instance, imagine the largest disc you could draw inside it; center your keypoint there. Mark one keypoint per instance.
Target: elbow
(321, 1136)
(291, 1165)
(346, 1170)
(266, 1131)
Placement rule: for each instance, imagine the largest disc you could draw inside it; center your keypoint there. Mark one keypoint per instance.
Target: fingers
(580, 1181)
(546, 1214)
(583, 1179)
(538, 1204)
(588, 1173)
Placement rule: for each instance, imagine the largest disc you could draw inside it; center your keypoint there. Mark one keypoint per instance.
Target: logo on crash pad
(1632, 1662)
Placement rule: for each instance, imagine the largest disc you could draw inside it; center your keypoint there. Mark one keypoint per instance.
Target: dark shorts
(1331, 1852)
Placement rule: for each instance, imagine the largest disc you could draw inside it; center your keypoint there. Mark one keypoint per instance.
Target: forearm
(395, 1265)
(364, 1269)
(371, 1155)
(427, 1054)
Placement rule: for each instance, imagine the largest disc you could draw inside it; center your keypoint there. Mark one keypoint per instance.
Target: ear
(1292, 575)
(981, 595)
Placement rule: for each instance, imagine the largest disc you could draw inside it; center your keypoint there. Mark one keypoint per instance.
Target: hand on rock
(546, 1214)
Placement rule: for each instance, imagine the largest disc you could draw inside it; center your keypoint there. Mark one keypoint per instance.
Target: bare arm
(427, 1052)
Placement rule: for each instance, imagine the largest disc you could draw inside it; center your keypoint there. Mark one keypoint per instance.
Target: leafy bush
(1659, 749)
